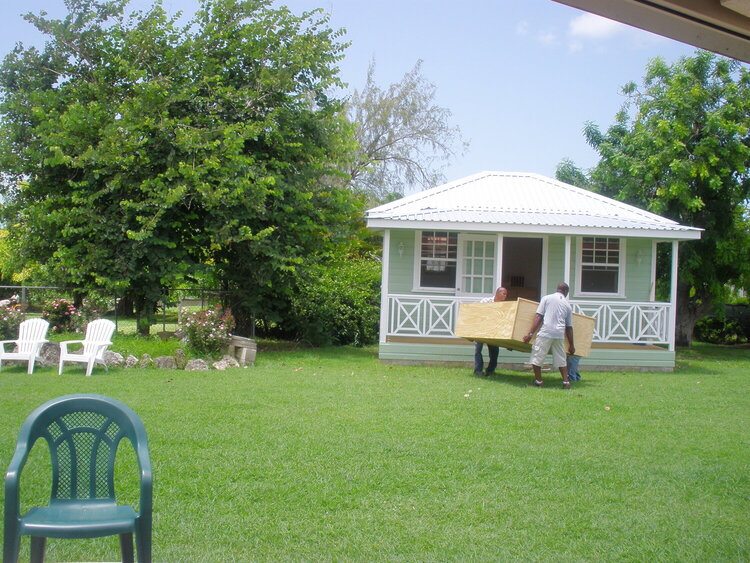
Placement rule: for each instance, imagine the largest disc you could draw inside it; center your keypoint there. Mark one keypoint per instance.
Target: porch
(630, 335)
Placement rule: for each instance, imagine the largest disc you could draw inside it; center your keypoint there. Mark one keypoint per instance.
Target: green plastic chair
(83, 433)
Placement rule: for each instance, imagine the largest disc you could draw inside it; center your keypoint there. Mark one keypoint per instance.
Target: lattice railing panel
(427, 316)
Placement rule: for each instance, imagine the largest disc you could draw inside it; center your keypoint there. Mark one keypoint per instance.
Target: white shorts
(543, 345)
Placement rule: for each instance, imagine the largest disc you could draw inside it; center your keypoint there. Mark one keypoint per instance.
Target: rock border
(50, 357)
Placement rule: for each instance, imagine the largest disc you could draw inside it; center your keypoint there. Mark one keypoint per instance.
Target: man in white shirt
(555, 317)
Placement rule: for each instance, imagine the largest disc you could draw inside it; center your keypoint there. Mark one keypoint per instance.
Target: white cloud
(546, 38)
(591, 26)
(575, 46)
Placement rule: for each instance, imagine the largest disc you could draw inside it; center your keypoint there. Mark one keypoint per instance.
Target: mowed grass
(329, 455)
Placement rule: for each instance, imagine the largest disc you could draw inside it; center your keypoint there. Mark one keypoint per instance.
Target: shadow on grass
(519, 379)
(703, 351)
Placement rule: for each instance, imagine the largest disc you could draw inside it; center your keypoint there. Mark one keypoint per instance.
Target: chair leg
(143, 542)
(11, 546)
(59, 371)
(37, 549)
(126, 547)
(89, 367)
(30, 369)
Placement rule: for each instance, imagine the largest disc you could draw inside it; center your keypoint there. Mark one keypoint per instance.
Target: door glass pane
(478, 266)
(488, 286)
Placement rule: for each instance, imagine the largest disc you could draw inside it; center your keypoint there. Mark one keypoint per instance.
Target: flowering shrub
(62, 315)
(89, 310)
(207, 332)
(10, 317)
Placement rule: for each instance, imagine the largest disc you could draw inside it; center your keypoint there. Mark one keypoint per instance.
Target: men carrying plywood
(507, 324)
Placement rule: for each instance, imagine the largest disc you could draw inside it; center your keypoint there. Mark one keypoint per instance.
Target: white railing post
(673, 295)
(384, 301)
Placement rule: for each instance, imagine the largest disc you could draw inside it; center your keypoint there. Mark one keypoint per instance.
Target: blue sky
(521, 77)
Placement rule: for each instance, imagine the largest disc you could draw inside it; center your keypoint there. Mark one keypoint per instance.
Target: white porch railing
(633, 323)
(435, 317)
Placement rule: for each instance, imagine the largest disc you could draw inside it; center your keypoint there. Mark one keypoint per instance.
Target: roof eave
(686, 233)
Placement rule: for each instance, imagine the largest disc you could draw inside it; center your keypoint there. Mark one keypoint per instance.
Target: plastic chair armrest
(146, 488)
(100, 346)
(12, 481)
(64, 345)
(4, 342)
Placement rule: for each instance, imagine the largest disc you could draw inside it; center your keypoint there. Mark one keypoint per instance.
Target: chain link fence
(170, 309)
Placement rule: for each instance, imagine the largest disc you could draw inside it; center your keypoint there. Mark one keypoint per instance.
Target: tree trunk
(689, 310)
(144, 316)
(244, 321)
(125, 306)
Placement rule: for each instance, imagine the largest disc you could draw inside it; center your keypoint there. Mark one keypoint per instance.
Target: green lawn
(328, 455)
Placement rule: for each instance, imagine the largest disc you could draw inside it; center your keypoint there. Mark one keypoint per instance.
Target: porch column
(673, 295)
(499, 262)
(384, 285)
(652, 292)
(566, 271)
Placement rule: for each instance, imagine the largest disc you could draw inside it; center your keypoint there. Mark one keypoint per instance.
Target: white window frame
(620, 274)
(416, 284)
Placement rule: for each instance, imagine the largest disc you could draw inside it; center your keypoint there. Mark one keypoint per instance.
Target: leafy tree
(405, 139)
(568, 172)
(6, 259)
(151, 152)
(680, 147)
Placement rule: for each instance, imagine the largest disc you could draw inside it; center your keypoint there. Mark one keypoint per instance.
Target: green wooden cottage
(457, 242)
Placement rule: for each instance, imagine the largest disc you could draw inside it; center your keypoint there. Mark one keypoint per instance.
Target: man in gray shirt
(555, 317)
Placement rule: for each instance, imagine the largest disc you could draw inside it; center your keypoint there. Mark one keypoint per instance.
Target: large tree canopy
(135, 151)
(680, 147)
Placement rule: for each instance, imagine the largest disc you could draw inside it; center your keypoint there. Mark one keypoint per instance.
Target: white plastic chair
(31, 337)
(98, 338)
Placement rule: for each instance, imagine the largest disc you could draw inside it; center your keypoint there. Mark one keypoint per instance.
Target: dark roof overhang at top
(721, 26)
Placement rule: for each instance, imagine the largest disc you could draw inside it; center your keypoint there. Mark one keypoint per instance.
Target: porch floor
(416, 350)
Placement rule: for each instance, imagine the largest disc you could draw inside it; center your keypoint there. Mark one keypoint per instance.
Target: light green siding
(401, 276)
(555, 263)
(638, 270)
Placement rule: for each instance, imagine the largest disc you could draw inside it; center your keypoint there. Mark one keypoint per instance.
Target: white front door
(477, 255)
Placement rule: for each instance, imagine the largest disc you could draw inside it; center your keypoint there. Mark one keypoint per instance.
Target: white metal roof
(522, 203)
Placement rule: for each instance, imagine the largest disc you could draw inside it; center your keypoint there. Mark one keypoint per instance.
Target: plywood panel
(583, 333)
(505, 324)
